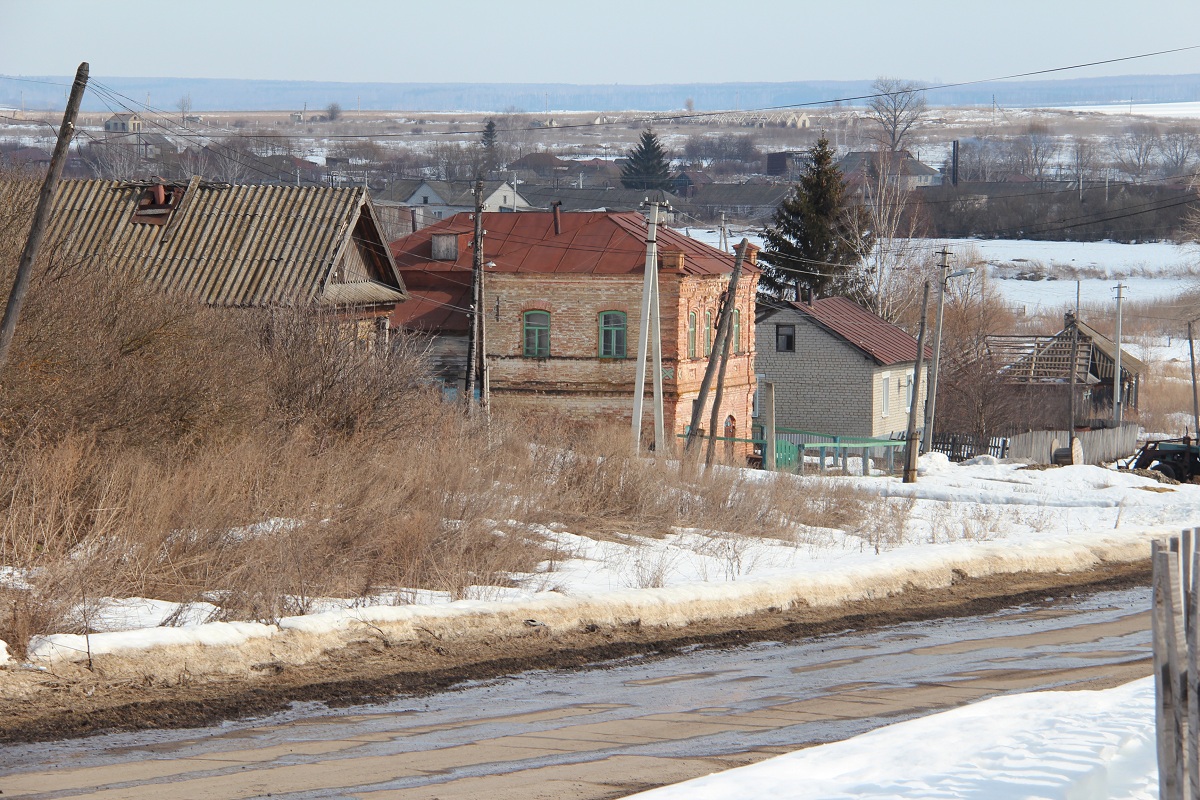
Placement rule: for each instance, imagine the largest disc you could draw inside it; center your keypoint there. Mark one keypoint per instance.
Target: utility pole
(41, 215)
(648, 331)
(723, 341)
(723, 242)
(1118, 400)
(473, 335)
(910, 451)
(1074, 366)
(1195, 397)
(931, 401)
(711, 368)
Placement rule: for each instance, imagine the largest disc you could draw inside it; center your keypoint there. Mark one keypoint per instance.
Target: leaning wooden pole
(710, 370)
(910, 456)
(41, 216)
(724, 338)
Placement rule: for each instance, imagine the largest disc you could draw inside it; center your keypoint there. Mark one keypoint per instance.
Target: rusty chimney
(557, 216)
(159, 192)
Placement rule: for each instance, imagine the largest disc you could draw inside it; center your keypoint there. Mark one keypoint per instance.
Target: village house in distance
(562, 295)
(838, 368)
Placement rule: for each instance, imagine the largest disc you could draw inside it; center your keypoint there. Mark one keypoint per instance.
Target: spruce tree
(817, 236)
(646, 165)
(488, 142)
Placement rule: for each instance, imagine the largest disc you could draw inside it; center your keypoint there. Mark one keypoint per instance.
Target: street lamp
(931, 400)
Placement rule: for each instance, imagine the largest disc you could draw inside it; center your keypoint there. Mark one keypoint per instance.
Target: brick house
(837, 368)
(562, 295)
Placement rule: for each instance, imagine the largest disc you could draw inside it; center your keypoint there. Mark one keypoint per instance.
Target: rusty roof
(233, 245)
(590, 242)
(877, 338)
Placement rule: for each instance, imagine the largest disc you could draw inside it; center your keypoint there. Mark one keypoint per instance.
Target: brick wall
(575, 380)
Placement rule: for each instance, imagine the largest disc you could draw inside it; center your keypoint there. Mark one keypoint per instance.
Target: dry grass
(151, 447)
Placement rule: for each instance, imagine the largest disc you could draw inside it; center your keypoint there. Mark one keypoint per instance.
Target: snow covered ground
(1150, 270)
(1069, 745)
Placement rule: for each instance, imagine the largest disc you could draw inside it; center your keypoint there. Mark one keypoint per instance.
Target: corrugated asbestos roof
(870, 333)
(230, 245)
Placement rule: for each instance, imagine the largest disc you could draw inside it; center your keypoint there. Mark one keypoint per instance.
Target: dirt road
(72, 701)
(604, 733)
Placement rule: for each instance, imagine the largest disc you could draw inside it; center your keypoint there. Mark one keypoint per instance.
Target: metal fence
(962, 446)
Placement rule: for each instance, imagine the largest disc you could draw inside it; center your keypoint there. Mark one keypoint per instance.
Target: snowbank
(1068, 745)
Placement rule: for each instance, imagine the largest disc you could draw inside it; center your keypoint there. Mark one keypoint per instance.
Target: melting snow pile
(1069, 745)
(977, 519)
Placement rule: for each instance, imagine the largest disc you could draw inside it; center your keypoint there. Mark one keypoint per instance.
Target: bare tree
(234, 161)
(1034, 151)
(897, 107)
(333, 111)
(115, 159)
(894, 268)
(1179, 147)
(184, 104)
(1135, 150)
(1083, 154)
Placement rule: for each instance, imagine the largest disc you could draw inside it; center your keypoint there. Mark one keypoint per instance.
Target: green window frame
(692, 334)
(536, 328)
(613, 327)
(737, 331)
(708, 333)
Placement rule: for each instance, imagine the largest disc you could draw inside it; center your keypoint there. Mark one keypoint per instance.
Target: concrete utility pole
(648, 331)
(931, 401)
(41, 215)
(1118, 400)
(910, 460)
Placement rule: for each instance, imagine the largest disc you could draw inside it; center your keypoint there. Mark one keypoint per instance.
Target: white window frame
(885, 380)
(908, 391)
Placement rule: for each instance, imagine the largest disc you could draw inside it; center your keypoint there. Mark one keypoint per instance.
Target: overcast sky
(598, 41)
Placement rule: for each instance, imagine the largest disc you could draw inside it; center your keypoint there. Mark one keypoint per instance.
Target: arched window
(708, 332)
(612, 334)
(737, 331)
(537, 334)
(692, 335)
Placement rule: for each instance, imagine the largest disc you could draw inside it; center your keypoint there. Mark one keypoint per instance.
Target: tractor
(1175, 458)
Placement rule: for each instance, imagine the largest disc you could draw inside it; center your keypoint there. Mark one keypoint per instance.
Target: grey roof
(233, 245)
(399, 191)
(740, 194)
(860, 160)
(595, 199)
(460, 193)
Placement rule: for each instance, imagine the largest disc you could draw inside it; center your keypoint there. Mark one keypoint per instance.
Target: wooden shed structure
(1045, 364)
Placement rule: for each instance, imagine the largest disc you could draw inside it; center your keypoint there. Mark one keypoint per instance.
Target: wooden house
(234, 246)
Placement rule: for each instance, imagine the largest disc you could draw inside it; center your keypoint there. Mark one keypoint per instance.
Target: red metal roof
(869, 332)
(590, 242)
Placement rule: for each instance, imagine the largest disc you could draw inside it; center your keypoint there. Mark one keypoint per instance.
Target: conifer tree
(488, 141)
(817, 237)
(646, 165)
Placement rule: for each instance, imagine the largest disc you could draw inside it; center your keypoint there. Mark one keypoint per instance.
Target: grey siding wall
(825, 385)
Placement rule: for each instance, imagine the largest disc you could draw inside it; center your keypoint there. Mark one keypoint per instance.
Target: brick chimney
(671, 260)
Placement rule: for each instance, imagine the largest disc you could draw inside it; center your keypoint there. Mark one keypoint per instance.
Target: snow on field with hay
(978, 518)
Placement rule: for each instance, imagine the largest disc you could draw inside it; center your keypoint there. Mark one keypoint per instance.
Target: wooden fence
(1100, 445)
(1175, 623)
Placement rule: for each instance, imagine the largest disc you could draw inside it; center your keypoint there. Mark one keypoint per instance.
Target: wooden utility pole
(41, 216)
(475, 335)
(710, 370)
(1074, 367)
(931, 400)
(910, 460)
(1195, 397)
(724, 338)
(648, 333)
(1118, 400)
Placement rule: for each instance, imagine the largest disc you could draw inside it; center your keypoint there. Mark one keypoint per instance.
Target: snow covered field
(1070, 745)
(1150, 270)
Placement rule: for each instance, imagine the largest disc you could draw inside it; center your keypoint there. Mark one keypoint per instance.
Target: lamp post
(931, 400)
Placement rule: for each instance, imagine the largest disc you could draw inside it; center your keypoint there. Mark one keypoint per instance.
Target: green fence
(791, 444)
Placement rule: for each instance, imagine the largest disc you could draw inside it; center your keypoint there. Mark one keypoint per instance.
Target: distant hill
(248, 95)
